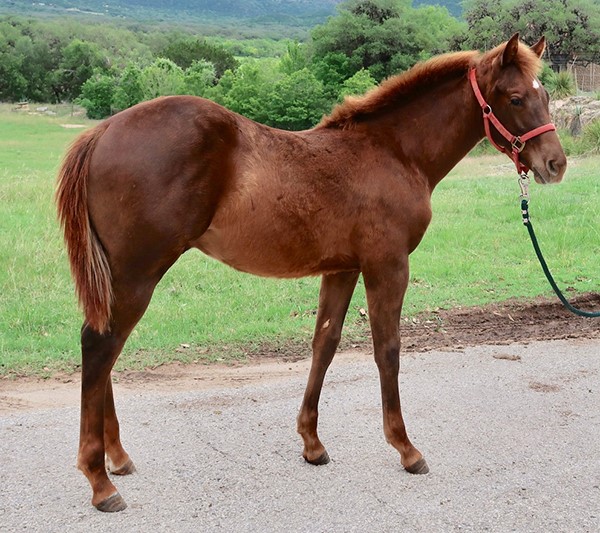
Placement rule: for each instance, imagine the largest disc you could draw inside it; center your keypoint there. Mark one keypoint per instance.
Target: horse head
(515, 109)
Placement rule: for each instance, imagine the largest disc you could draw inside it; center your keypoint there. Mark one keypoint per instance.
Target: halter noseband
(517, 142)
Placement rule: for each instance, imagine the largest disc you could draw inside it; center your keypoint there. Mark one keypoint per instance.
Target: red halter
(517, 142)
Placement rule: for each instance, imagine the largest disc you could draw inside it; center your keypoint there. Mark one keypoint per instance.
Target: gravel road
(511, 434)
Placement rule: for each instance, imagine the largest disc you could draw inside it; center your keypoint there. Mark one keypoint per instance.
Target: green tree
(162, 78)
(97, 95)
(12, 82)
(186, 50)
(294, 59)
(571, 27)
(247, 90)
(25, 68)
(435, 30)
(38, 65)
(297, 101)
(129, 90)
(384, 36)
(79, 61)
(484, 30)
(358, 84)
(199, 77)
(332, 69)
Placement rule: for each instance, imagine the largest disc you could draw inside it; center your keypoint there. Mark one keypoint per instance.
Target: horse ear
(540, 46)
(510, 50)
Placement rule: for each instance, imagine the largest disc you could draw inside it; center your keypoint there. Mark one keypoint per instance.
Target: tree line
(109, 68)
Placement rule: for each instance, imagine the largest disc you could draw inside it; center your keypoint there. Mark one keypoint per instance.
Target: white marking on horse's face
(536, 84)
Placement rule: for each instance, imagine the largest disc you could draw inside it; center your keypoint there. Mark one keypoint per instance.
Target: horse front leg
(385, 287)
(334, 299)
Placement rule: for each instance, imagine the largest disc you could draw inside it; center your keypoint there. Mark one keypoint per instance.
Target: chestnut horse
(348, 197)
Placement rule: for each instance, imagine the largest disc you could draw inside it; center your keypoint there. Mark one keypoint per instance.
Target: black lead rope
(524, 183)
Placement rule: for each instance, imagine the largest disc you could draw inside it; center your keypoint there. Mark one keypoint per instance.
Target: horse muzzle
(550, 169)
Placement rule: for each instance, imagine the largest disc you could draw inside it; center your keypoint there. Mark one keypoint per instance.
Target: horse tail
(89, 264)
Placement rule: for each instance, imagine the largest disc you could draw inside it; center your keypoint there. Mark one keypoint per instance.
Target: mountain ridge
(304, 12)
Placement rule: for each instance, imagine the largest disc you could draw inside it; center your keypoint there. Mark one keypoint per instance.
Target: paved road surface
(511, 434)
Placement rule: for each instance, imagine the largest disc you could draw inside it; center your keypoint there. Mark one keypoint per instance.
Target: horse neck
(436, 129)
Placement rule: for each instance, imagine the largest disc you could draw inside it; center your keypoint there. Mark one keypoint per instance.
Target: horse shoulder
(396, 211)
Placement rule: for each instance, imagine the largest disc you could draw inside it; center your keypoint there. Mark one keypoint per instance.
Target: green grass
(476, 251)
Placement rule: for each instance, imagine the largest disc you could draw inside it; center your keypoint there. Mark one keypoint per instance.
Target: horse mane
(419, 78)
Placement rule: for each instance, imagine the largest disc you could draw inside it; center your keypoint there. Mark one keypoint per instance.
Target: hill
(301, 13)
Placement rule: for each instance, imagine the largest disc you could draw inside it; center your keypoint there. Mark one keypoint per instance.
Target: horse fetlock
(88, 464)
(314, 452)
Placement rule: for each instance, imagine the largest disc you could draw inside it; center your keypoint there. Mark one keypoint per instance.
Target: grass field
(476, 251)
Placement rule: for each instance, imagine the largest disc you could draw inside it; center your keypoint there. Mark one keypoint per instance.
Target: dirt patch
(446, 330)
(453, 329)
(504, 323)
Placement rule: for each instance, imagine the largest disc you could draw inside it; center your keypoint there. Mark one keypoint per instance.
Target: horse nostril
(552, 167)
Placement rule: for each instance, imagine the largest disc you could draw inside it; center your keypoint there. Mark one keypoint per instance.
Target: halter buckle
(518, 145)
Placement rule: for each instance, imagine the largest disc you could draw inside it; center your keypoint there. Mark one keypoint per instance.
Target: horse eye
(515, 101)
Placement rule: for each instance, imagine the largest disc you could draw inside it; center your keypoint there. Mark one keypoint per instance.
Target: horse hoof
(420, 467)
(125, 470)
(112, 504)
(323, 459)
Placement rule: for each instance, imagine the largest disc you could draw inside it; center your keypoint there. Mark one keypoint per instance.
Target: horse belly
(255, 254)
(272, 246)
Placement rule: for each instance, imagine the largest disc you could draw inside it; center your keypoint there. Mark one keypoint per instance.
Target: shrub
(97, 95)
(571, 145)
(560, 85)
(591, 136)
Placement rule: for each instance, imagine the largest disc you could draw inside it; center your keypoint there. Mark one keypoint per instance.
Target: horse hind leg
(334, 299)
(117, 459)
(99, 432)
(99, 352)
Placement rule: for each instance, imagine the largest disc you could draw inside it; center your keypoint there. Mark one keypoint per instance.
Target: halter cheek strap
(517, 143)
